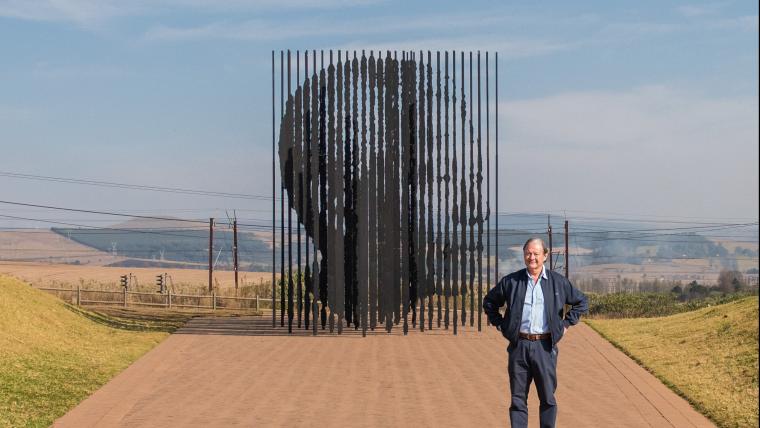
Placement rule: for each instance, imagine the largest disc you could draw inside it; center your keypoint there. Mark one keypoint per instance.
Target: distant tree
(730, 281)
(752, 271)
(676, 290)
(745, 252)
(696, 291)
(597, 286)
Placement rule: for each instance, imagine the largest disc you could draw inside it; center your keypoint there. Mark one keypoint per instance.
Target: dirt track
(240, 372)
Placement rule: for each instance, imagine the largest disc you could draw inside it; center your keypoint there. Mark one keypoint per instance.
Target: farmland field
(59, 275)
(46, 246)
(703, 271)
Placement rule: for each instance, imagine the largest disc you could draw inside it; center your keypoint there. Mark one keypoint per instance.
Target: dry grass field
(701, 271)
(59, 275)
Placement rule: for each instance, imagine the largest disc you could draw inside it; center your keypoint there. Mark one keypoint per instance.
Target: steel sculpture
(387, 193)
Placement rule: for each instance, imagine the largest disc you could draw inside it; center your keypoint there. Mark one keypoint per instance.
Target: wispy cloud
(507, 48)
(701, 9)
(278, 29)
(744, 23)
(637, 30)
(432, 32)
(266, 4)
(249, 30)
(95, 12)
(709, 16)
(84, 12)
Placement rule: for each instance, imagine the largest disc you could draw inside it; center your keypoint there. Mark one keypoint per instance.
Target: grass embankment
(53, 355)
(709, 356)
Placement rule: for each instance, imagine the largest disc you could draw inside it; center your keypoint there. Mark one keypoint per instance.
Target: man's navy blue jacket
(557, 292)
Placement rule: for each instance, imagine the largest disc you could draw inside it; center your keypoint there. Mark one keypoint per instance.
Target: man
(533, 323)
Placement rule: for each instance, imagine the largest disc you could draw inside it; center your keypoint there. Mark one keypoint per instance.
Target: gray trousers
(532, 361)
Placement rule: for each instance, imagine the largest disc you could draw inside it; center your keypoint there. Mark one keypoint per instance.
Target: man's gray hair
(535, 239)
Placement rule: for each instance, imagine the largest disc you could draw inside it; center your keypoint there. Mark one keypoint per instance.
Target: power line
(504, 232)
(120, 214)
(101, 229)
(177, 190)
(622, 217)
(100, 212)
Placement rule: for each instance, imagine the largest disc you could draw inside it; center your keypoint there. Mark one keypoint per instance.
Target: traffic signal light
(160, 283)
(123, 281)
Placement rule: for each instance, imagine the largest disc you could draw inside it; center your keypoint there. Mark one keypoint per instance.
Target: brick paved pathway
(226, 372)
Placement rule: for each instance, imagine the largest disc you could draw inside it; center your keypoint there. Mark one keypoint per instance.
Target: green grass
(708, 356)
(53, 355)
(646, 305)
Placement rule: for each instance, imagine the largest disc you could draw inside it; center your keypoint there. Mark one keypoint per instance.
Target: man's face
(534, 256)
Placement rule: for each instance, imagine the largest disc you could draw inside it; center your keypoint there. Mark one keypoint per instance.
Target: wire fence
(80, 296)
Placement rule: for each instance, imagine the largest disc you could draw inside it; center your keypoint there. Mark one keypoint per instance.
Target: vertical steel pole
(480, 210)
(454, 206)
(290, 211)
(299, 141)
(439, 276)
(210, 253)
(496, 163)
(235, 251)
(274, 208)
(447, 178)
(488, 181)
(567, 254)
(471, 199)
(372, 194)
(551, 245)
(282, 210)
(306, 100)
(315, 193)
(430, 271)
(463, 204)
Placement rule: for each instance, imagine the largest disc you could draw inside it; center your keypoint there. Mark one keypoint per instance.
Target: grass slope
(709, 356)
(52, 355)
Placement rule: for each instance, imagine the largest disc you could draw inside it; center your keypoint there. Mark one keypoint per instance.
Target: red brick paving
(226, 372)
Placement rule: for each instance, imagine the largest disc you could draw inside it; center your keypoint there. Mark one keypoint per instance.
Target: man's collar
(543, 272)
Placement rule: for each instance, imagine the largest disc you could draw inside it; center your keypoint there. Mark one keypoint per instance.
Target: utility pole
(567, 254)
(551, 247)
(210, 254)
(235, 250)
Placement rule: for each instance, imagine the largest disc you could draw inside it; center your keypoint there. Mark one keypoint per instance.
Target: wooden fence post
(257, 303)
(125, 297)
(213, 300)
(79, 295)
(169, 297)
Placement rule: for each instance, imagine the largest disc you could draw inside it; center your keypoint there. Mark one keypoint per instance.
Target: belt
(534, 337)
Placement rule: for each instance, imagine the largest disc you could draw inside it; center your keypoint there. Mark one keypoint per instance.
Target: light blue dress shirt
(533, 317)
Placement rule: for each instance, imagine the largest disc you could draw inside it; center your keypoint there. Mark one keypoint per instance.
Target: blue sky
(647, 109)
